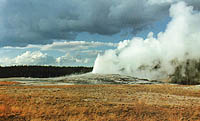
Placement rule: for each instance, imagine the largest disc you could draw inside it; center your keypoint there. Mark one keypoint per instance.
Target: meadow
(156, 102)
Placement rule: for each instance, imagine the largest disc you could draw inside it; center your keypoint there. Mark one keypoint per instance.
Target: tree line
(41, 71)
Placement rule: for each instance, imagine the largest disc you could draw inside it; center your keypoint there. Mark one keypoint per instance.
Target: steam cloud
(157, 58)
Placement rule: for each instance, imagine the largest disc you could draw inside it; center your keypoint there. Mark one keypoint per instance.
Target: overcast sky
(74, 32)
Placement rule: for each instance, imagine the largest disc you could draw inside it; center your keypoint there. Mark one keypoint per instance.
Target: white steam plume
(156, 58)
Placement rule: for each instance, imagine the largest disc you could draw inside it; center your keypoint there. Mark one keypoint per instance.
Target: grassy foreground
(99, 102)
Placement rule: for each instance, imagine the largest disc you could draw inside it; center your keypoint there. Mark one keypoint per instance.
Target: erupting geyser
(174, 51)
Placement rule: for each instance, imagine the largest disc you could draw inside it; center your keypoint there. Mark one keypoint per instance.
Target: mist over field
(174, 52)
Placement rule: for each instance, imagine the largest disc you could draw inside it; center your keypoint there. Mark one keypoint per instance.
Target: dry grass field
(161, 102)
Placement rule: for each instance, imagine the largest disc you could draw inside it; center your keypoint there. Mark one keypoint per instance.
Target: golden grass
(4, 83)
(100, 103)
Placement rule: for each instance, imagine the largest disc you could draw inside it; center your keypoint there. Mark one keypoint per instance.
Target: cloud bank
(63, 53)
(40, 58)
(29, 58)
(157, 58)
(24, 22)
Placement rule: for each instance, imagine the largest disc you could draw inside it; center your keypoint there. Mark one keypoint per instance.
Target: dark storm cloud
(25, 22)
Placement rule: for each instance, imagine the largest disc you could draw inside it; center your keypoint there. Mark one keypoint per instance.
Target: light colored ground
(88, 78)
